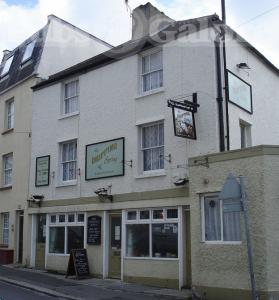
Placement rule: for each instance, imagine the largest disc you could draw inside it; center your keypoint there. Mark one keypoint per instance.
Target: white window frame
(5, 228)
(64, 99)
(7, 66)
(154, 147)
(30, 48)
(142, 74)
(61, 163)
(221, 242)
(247, 134)
(5, 170)
(65, 224)
(9, 114)
(150, 222)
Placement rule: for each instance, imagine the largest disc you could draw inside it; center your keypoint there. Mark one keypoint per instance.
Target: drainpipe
(223, 30)
(220, 93)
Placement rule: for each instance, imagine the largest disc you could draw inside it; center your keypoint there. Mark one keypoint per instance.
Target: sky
(110, 19)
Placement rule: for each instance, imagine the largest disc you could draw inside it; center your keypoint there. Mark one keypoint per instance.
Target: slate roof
(132, 47)
(19, 71)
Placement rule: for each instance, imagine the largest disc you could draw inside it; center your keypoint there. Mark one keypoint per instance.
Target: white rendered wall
(265, 92)
(66, 46)
(110, 108)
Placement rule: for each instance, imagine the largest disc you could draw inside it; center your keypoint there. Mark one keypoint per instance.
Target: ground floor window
(152, 233)
(5, 227)
(219, 223)
(66, 232)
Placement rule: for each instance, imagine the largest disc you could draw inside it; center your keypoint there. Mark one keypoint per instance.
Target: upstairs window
(7, 66)
(152, 71)
(7, 169)
(70, 104)
(28, 51)
(9, 119)
(153, 147)
(69, 161)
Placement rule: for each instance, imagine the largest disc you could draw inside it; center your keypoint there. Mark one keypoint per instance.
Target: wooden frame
(230, 96)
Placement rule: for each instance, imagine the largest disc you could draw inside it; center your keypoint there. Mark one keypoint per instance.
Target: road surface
(12, 292)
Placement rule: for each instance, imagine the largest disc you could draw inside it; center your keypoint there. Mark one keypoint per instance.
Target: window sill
(26, 62)
(62, 117)
(8, 187)
(221, 243)
(4, 77)
(58, 254)
(67, 183)
(8, 131)
(151, 258)
(150, 93)
(152, 174)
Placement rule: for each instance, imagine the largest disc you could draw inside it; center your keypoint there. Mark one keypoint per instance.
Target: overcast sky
(110, 20)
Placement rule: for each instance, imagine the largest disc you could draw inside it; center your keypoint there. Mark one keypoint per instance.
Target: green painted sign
(105, 159)
(42, 171)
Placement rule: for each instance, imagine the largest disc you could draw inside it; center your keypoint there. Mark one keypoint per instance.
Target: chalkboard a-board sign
(94, 230)
(78, 264)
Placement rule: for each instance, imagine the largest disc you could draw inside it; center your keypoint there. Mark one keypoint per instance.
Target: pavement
(56, 285)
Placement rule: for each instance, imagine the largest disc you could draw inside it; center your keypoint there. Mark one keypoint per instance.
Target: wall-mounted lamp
(104, 193)
(36, 199)
(181, 181)
(243, 66)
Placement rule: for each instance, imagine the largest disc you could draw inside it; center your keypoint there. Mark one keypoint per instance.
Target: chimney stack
(148, 20)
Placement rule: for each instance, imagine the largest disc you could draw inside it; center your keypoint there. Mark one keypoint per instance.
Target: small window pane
(212, 219)
(158, 214)
(61, 218)
(132, 215)
(172, 213)
(165, 240)
(144, 214)
(137, 240)
(57, 240)
(7, 66)
(29, 51)
(53, 219)
(71, 218)
(80, 217)
(75, 237)
(231, 223)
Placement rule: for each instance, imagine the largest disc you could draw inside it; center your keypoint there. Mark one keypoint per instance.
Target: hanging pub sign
(42, 171)
(105, 159)
(240, 92)
(184, 118)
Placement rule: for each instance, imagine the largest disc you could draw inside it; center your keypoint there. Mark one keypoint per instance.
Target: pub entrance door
(115, 246)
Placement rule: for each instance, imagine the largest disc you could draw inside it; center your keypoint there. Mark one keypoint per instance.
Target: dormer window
(7, 66)
(28, 51)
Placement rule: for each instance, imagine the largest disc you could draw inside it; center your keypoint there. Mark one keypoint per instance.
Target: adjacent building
(56, 46)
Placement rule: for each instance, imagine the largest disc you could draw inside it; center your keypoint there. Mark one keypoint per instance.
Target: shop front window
(156, 237)
(165, 240)
(138, 240)
(66, 232)
(56, 240)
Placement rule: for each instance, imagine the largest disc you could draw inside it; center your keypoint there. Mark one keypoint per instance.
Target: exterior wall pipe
(220, 93)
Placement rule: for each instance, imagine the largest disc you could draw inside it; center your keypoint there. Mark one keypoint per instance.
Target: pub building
(112, 141)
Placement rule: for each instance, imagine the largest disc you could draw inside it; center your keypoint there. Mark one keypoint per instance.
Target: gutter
(220, 92)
